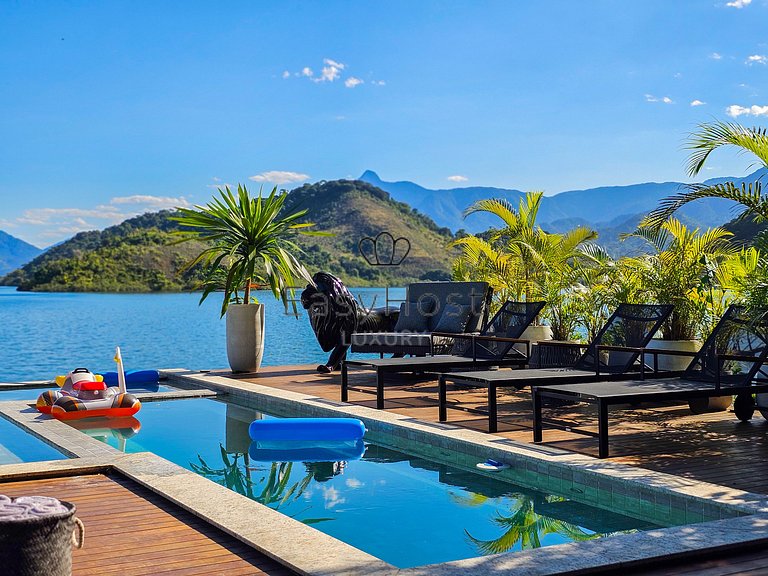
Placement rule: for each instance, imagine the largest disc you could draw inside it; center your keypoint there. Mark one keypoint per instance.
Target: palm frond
(714, 135)
(749, 195)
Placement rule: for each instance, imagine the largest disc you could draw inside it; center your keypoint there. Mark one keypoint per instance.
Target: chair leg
(602, 429)
(492, 409)
(537, 424)
(442, 399)
(344, 382)
(379, 389)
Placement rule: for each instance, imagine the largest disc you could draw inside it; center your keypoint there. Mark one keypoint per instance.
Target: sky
(110, 109)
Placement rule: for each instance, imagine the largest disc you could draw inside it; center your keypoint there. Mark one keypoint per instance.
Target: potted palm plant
(250, 244)
(521, 261)
(677, 273)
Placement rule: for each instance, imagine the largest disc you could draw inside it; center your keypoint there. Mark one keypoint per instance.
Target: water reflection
(102, 429)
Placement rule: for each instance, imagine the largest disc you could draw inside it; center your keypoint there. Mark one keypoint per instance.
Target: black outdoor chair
(731, 363)
(493, 346)
(613, 352)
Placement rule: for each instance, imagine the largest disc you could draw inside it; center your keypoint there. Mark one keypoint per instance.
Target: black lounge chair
(621, 340)
(729, 364)
(493, 346)
(422, 313)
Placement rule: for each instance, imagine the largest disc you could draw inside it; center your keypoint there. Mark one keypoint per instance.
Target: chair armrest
(454, 334)
(561, 344)
(738, 357)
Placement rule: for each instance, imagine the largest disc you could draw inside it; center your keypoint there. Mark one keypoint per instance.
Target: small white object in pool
(491, 465)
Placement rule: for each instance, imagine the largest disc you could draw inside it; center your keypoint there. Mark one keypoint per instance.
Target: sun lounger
(494, 346)
(731, 363)
(621, 341)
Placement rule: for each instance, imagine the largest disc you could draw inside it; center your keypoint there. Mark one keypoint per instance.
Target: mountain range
(14, 252)
(136, 254)
(611, 210)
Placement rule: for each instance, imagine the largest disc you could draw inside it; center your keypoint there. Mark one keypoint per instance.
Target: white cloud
(279, 177)
(333, 63)
(716, 56)
(738, 3)
(457, 178)
(331, 71)
(353, 483)
(757, 59)
(734, 110)
(697, 103)
(159, 202)
(351, 82)
(652, 98)
(59, 223)
(677, 75)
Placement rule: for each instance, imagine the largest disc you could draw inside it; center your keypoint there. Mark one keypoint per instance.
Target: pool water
(16, 446)
(406, 510)
(31, 393)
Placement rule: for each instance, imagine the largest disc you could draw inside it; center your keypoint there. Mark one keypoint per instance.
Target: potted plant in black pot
(250, 244)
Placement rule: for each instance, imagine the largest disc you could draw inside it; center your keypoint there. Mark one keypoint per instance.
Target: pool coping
(309, 551)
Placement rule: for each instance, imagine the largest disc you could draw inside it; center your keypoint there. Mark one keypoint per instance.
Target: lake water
(44, 334)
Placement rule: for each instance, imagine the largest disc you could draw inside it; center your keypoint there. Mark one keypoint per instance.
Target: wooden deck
(130, 530)
(712, 447)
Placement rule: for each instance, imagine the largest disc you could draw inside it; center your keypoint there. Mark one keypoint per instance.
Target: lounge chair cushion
(414, 316)
(453, 319)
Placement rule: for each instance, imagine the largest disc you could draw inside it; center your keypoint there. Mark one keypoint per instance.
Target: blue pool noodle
(319, 429)
(295, 452)
(133, 377)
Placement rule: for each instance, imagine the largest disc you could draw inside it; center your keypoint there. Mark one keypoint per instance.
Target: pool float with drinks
(84, 395)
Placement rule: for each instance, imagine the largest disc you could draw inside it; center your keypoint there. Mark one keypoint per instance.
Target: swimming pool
(17, 445)
(402, 508)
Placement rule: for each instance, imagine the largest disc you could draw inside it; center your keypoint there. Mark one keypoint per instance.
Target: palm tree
(520, 260)
(709, 138)
(678, 272)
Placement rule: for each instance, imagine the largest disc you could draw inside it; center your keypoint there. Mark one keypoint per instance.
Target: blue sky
(108, 109)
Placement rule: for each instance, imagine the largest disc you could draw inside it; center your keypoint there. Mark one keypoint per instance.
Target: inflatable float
(137, 378)
(299, 451)
(83, 395)
(307, 430)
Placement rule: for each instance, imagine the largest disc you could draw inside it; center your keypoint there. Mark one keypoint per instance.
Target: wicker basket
(40, 546)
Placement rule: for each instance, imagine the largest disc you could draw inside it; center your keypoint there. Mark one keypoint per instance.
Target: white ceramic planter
(534, 334)
(673, 363)
(697, 405)
(245, 337)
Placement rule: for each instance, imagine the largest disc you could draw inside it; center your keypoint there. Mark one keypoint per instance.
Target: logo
(384, 249)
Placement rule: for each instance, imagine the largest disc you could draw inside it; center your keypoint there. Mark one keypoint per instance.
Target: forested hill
(353, 210)
(139, 255)
(135, 256)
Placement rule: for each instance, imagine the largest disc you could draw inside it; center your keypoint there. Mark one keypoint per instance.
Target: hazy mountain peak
(14, 252)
